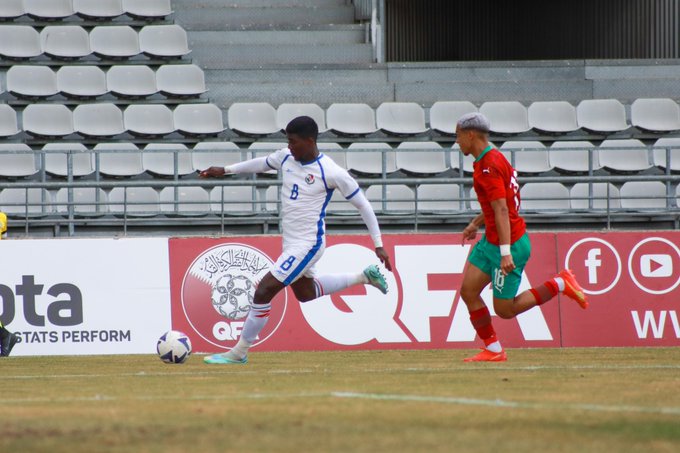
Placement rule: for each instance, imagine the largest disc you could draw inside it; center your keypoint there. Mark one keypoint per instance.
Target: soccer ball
(173, 347)
(232, 296)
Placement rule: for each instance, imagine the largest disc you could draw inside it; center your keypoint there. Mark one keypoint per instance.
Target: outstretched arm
(257, 165)
(360, 202)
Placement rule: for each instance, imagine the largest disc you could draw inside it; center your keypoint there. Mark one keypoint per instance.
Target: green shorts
(487, 257)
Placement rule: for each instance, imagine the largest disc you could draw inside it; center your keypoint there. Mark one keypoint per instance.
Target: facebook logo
(592, 262)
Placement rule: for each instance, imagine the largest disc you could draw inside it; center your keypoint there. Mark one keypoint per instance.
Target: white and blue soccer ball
(174, 347)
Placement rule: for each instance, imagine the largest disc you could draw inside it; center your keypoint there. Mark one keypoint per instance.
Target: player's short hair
(303, 126)
(475, 121)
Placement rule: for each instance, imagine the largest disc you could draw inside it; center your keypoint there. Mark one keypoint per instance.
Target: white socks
(495, 347)
(329, 284)
(560, 283)
(255, 321)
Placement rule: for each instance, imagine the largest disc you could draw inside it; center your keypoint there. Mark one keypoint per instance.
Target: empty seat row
(86, 82)
(108, 120)
(70, 42)
(549, 198)
(89, 9)
(601, 116)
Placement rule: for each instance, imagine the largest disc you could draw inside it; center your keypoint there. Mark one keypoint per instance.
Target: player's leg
(308, 288)
(7, 341)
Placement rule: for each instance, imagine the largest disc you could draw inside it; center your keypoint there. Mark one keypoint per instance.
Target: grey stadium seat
(643, 195)
(660, 153)
(430, 161)
(558, 117)
(134, 201)
(215, 154)
(252, 119)
(153, 120)
(655, 115)
(56, 163)
(180, 80)
(18, 165)
(445, 114)
(545, 197)
(65, 41)
(48, 120)
(49, 9)
(8, 121)
(11, 9)
(98, 120)
(575, 157)
(506, 118)
(351, 119)
(31, 81)
(398, 198)
(85, 201)
(33, 202)
(335, 152)
(131, 81)
(234, 200)
(148, 9)
(455, 159)
(164, 41)
(19, 42)
(184, 201)
(98, 9)
(603, 195)
(439, 198)
(119, 159)
(81, 82)
(603, 116)
(260, 149)
(286, 112)
(337, 206)
(114, 41)
(629, 155)
(371, 162)
(198, 120)
(162, 163)
(401, 118)
(526, 161)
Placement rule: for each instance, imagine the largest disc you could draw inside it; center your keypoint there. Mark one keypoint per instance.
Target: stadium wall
(117, 296)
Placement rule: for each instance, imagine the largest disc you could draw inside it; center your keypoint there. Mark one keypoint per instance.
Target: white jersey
(305, 193)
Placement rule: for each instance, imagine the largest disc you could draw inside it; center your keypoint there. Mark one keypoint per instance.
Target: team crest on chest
(309, 179)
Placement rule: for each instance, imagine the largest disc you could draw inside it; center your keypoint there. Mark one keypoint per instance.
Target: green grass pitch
(584, 400)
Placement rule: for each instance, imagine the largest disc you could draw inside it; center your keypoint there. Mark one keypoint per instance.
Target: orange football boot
(572, 289)
(487, 356)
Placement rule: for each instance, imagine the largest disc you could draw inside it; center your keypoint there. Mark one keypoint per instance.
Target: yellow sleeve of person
(3, 223)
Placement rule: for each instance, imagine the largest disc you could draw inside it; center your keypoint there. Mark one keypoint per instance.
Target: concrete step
(181, 5)
(343, 74)
(444, 72)
(211, 38)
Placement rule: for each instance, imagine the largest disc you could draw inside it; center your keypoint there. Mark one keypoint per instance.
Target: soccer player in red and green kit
(500, 255)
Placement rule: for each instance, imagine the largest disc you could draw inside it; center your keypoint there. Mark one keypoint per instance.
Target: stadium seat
(260, 149)
(56, 163)
(66, 42)
(371, 162)
(131, 81)
(444, 115)
(98, 120)
(525, 161)
(602, 116)
(604, 196)
(180, 80)
(252, 119)
(234, 200)
(98, 9)
(49, 9)
(643, 195)
(572, 156)
(660, 153)
(114, 42)
(31, 81)
(151, 120)
(119, 159)
(85, 201)
(24, 203)
(198, 120)
(624, 155)
(338, 205)
(272, 200)
(184, 201)
(401, 118)
(335, 152)
(215, 154)
(81, 82)
(355, 120)
(164, 41)
(8, 121)
(148, 9)
(430, 161)
(19, 42)
(397, 199)
(439, 198)
(161, 163)
(456, 154)
(472, 199)
(506, 118)
(557, 117)
(655, 115)
(48, 120)
(18, 165)
(11, 9)
(134, 201)
(545, 197)
(286, 112)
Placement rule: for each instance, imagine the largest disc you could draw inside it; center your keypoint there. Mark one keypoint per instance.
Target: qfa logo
(218, 290)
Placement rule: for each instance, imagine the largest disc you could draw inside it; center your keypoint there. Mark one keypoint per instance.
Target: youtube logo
(656, 266)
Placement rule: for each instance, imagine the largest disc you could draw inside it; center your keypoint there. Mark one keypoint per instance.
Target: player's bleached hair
(475, 121)
(303, 126)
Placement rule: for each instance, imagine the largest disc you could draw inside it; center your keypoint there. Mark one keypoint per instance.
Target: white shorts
(297, 260)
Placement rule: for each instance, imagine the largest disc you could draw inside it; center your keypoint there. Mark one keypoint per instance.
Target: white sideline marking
(105, 398)
(510, 404)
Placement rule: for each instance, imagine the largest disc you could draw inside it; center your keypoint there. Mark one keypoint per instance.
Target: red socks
(545, 292)
(481, 321)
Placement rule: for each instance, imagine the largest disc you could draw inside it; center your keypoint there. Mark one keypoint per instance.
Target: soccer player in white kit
(308, 181)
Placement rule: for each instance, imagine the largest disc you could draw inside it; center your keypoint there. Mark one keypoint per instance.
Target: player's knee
(505, 311)
(469, 295)
(304, 295)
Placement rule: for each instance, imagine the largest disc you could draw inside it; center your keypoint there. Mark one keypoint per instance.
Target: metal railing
(373, 13)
